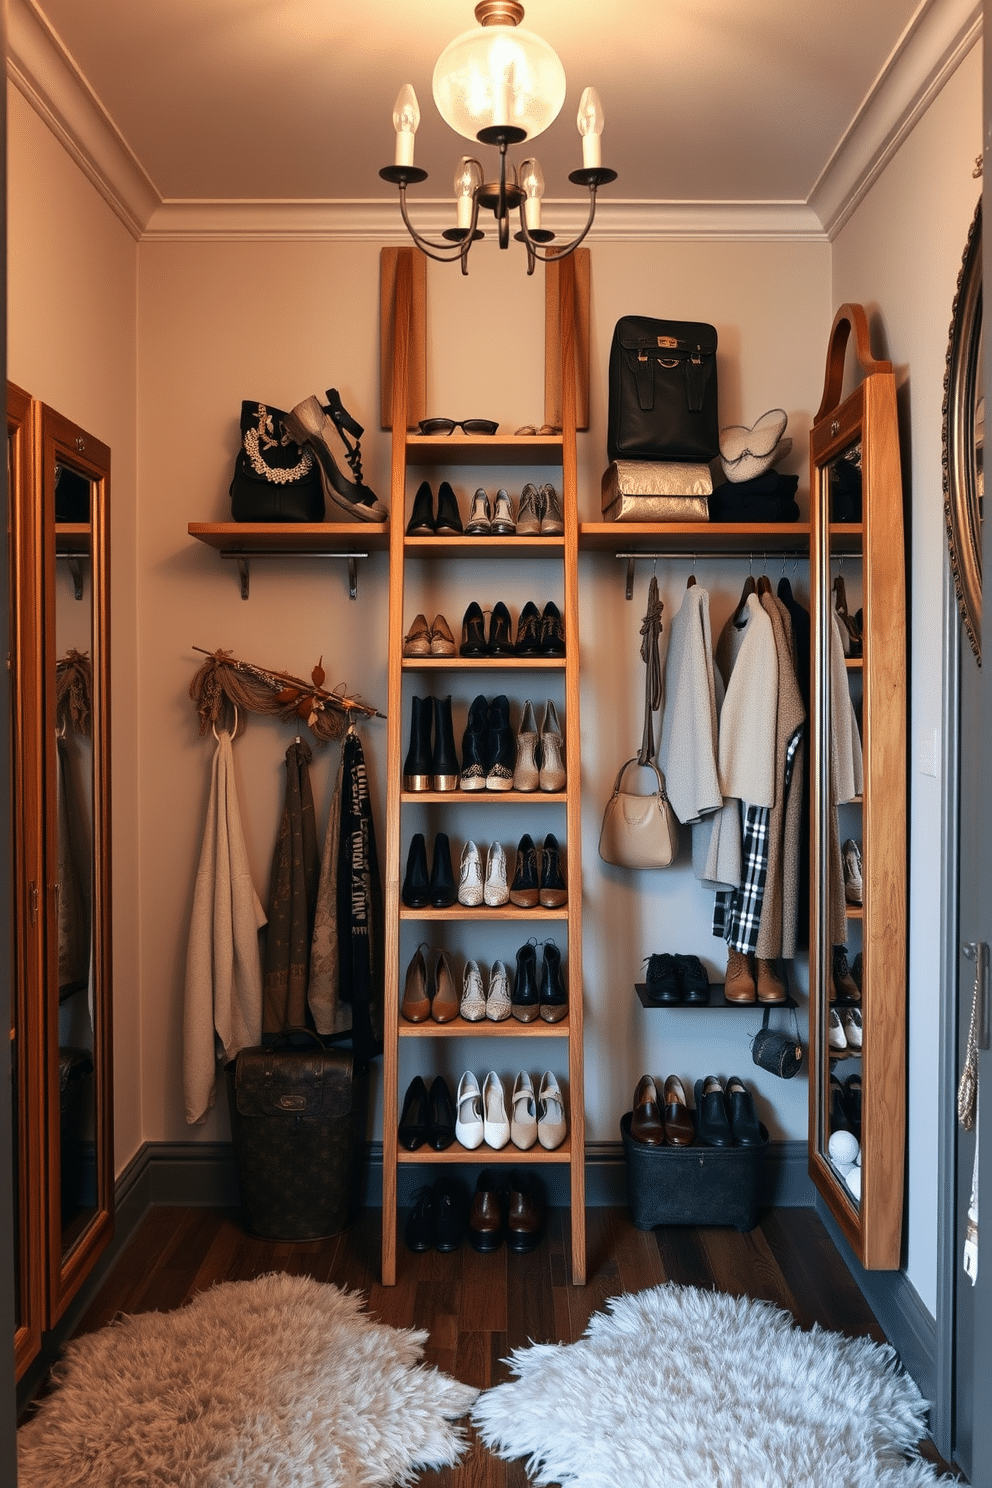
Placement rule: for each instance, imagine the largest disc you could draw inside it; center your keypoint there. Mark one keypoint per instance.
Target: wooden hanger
(750, 587)
(764, 585)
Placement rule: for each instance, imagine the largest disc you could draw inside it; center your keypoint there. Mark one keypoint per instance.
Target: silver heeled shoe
(526, 775)
(552, 773)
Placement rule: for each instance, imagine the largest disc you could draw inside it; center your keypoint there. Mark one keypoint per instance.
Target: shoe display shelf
(438, 575)
(242, 542)
(716, 1001)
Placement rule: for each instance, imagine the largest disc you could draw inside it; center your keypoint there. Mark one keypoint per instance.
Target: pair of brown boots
(752, 979)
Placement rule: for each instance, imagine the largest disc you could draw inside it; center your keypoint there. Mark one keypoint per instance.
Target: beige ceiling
(731, 102)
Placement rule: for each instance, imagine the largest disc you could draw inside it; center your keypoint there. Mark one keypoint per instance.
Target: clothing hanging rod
(751, 554)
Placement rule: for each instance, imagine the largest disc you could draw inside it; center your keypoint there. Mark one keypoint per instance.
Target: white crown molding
(379, 221)
(40, 67)
(935, 43)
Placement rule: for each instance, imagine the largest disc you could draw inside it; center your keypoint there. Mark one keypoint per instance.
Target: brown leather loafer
(485, 1217)
(646, 1123)
(679, 1130)
(525, 1220)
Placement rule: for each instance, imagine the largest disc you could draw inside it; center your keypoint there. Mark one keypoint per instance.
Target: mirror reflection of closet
(858, 905)
(62, 845)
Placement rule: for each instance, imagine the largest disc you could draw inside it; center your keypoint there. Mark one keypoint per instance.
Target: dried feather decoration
(223, 681)
(74, 691)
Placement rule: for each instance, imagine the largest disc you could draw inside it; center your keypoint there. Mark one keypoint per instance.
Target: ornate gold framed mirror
(964, 437)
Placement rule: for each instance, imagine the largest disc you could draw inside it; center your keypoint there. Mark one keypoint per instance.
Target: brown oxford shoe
(485, 1217)
(646, 1121)
(525, 1219)
(679, 1130)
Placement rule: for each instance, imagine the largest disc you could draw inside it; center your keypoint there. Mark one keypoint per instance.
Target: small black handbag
(275, 479)
(663, 391)
(778, 1052)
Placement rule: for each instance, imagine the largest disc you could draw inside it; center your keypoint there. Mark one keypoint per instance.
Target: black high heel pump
(309, 423)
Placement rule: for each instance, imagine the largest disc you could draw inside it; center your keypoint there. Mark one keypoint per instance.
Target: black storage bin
(298, 1118)
(695, 1185)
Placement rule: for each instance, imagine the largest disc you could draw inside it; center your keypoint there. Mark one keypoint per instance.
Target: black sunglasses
(448, 426)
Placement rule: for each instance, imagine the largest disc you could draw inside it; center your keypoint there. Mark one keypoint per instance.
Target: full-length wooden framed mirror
(964, 437)
(61, 813)
(858, 808)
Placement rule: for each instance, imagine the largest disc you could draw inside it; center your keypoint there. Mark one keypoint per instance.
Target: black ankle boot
(417, 884)
(501, 746)
(421, 523)
(475, 764)
(525, 1000)
(449, 522)
(442, 885)
(417, 767)
(554, 998)
(445, 761)
(552, 631)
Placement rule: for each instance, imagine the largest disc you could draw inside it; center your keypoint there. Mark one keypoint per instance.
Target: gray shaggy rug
(677, 1385)
(283, 1382)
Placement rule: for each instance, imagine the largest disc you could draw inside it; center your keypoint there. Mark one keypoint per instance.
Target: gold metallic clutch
(656, 491)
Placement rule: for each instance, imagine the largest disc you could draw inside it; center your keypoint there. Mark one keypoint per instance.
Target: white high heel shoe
(469, 1126)
(470, 877)
(496, 1125)
(497, 890)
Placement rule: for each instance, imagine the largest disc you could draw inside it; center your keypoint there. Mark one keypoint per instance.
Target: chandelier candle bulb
(532, 182)
(468, 179)
(406, 117)
(590, 121)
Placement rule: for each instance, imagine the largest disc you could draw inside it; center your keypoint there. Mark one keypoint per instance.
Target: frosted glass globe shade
(498, 75)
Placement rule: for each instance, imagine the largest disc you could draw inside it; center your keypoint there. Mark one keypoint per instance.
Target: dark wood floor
(478, 1307)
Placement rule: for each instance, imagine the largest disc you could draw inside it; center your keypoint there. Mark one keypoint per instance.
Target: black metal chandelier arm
(439, 252)
(554, 251)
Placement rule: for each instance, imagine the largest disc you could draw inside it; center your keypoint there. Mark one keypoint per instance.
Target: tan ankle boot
(771, 987)
(739, 984)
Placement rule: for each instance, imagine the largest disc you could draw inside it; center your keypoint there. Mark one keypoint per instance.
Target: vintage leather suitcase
(298, 1118)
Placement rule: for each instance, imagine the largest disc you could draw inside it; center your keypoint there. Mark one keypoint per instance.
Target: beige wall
(71, 316)
(222, 321)
(900, 255)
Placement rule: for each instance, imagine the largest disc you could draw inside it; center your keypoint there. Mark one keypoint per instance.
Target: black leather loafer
(745, 1127)
(451, 1214)
(421, 1225)
(712, 1121)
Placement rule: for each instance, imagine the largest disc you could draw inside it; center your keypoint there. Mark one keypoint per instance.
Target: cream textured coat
(223, 1003)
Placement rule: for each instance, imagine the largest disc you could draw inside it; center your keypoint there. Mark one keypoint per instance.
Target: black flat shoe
(474, 641)
(421, 523)
(500, 643)
(440, 1131)
(745, 1127)
(712, 1121)
(449, 522)
(552, 631)
(413, 1122)
(416, 883)
(528, 642)
(421, 1225)
(452, 1214)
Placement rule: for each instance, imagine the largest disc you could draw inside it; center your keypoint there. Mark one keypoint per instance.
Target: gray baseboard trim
(896, 1304)
(203, 1173)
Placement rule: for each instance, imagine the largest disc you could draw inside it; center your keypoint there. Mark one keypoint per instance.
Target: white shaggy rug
(680, 1386)
(283, 1382)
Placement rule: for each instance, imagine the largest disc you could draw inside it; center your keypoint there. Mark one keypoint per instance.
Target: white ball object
(853, 1181)
(843, 1147)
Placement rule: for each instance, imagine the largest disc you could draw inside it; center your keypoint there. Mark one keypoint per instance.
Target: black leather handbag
(298, 1117)
(663, 391)
(275, 479)
(779, 1053)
